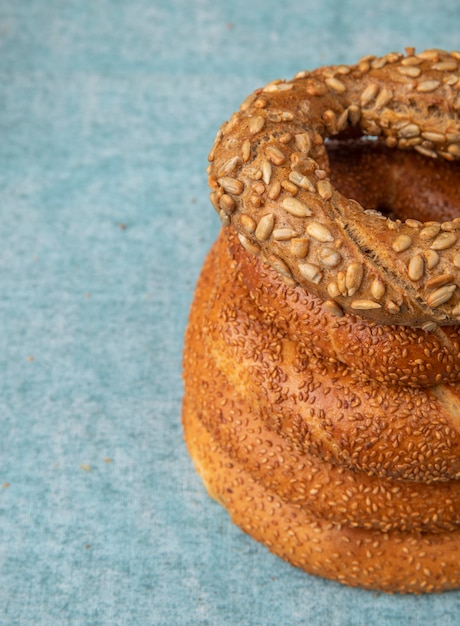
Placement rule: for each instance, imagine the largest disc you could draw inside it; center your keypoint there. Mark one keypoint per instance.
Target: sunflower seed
(439, 281)
(434, 137)
(427, 85)
(247, 244)
(441, 295)
(284, 234)
(231, 185)
(227, 203)
(384, 97)
(411, 130)
(430, 231)
(319, 232)
(275, 190)
(247, 223)
(329, 256)
(416, 267)
(410, 70)
(302, 181)
(432, 258)
(365, 305)
(454, 149)
(443, 241)
(333, 290)
(296, 207)
(369, 94)
(303, 142)
(299, 247)
(310, 272)
(333, 308)
(354, 277)
(378, 288)
(324, 189)
(265, 227)
(354, 114)
(336, 85)
(402, 243)
(275, 155)
(445, 66)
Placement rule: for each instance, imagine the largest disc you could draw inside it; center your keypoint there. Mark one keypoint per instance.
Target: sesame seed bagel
(324, 489)
(323, 407)
(271, 179)
(392, 561)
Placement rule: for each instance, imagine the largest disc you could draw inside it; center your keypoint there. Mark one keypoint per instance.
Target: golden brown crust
(270, 177)
(389, 561)
(393, 355)
(322, 355)
(323, 407)
(328, 491)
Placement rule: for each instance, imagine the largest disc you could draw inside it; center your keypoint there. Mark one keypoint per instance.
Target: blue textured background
(107, 112)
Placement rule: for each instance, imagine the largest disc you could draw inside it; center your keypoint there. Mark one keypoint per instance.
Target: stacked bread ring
(322, 355)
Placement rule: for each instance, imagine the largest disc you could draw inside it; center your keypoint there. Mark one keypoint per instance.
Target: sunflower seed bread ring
(394, 355)
(269, 175)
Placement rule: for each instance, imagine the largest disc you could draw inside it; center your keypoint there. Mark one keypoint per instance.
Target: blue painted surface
(107, 112)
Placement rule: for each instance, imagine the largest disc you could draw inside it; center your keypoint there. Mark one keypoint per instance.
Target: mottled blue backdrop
(107, 112)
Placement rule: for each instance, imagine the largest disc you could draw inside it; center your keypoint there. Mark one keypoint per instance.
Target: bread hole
(399, 184)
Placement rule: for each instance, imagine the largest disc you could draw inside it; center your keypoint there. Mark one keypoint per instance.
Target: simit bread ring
(325, 489)
(270, 177)
(324, 408)
(388, 561)
(322, 355)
